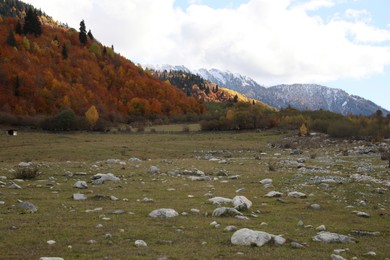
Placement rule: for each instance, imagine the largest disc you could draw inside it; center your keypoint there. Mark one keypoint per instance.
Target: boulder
(100, 178)
(163, 213)
(273, 194)
(220, 200)
(248, 237)
(81, 185)
(226, 212)
(27, 206)
(241, 203)
(328, 237)
(296, 194)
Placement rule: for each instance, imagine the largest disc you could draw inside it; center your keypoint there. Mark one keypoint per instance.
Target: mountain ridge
(300, 96)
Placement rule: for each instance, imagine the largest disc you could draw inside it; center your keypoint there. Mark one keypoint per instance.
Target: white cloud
(271, 41)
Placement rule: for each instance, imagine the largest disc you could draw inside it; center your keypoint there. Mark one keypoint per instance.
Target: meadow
(105, 228)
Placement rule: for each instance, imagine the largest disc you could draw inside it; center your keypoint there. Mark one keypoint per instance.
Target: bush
(64, 121)
(342, 129)
(26, 173)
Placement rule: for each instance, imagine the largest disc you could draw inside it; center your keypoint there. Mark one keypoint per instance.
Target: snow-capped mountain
(300, 96)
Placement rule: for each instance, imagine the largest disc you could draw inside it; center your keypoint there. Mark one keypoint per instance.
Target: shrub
(186, 129)
(342, 129)
(26, 173)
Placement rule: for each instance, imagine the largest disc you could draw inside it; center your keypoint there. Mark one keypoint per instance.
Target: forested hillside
(45, 69)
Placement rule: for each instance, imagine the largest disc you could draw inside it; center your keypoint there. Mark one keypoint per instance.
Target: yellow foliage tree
(230, 114)
(92, 116)
(303, 130)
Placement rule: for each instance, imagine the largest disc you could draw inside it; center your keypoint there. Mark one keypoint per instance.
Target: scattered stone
(248, 237)
(134, 159)
(241, 203)
(15, 186)
(51, 242)
(328, 237)
(361, 214)
(154, 170)
(300, 223)
(108, 236)
(79, 196)
(100, 178)
(27, 206)
(147, 200)
(195, 210)
(273, 194)
(199, 178)
(81, 185)
(220, 200)
(266, 181)
(233, 177)
(371, 253)
(365, 233)
(91, 242)
(140, 243)
(230, 229)
(114, 161)
(99, 226)
(337, 257)
(117, 212)
(278, 240)
(296, 245)
(163, 213)
(241, 217)
(113, 198)
(296, 194)
(25, 164)
(226, 212)
(50, 258)
(315, 206)
(339, 251)
(321, 228)
(240, 190)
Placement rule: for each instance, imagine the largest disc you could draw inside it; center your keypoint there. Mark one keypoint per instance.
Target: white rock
(279, 240)
(328, 237)
(315, 206)
(100, 178)
(81, 185)
(15, 186)
(321, 228)
(50, 258)
(337, 257)
(248, 237)
(296, 245)
(134, 159)
(140, 243)
(51, 242)
(296, 194)
(273, 194)
(266, 181)
(27, 206)
(163, 213)
(25, 164)
(226, 212)
(154, 170)
(339, 251)
(241, 203)
(79, 196)
(371, 253)
(220, 200)
(361, 214)
(230, 229)
(199, 178)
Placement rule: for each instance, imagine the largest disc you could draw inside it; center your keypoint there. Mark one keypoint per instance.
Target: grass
(59, 218)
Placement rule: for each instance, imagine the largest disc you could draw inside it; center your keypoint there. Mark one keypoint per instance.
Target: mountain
(52, 71)
(300, 96)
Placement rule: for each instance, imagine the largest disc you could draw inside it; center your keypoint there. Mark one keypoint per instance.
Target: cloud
(271, 41)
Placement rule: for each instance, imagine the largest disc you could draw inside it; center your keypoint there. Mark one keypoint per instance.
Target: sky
(336, 43)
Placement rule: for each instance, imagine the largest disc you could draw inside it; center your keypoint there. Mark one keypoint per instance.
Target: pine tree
(19, 28)
(11, 39)
(64, 52)
(32, 24)
(90, 35)
(83, 33)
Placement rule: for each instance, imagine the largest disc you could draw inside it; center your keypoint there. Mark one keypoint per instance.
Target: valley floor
(340, 179)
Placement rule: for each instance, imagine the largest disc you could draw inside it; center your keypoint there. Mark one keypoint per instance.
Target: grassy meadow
(73, 224)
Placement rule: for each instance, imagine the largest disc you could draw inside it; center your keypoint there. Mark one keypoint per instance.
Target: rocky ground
(286, 197)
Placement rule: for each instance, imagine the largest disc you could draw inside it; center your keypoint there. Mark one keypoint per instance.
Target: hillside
(199, 88)
(51, 72)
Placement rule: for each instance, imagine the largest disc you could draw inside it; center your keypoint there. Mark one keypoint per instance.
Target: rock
(116, 211)
(234, 177)
(321, 228)
(25, 164)
(226, 212)
(220, 200)
(27, 206)
(361, 214)
(248, 237)
(337, 257)
(113, 161)
(339, 251)
(279, 240)
(371, 253)
(154, 170)
(328, 237)
(108, 236)
(50, 258)
(147, 200)
(14, 186)
(163, 213)
(241, 203)
(266, 181)
(240, 190)
(51, 242)
(79, 196)
(100, 178)
(230, 229)
(140, 243)
(300, 223)
(134, 159)
(365, 233)
(296, 245)
(315, 206)
(81, 185)
(273, 194)
(199, 178)
(296, 194)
